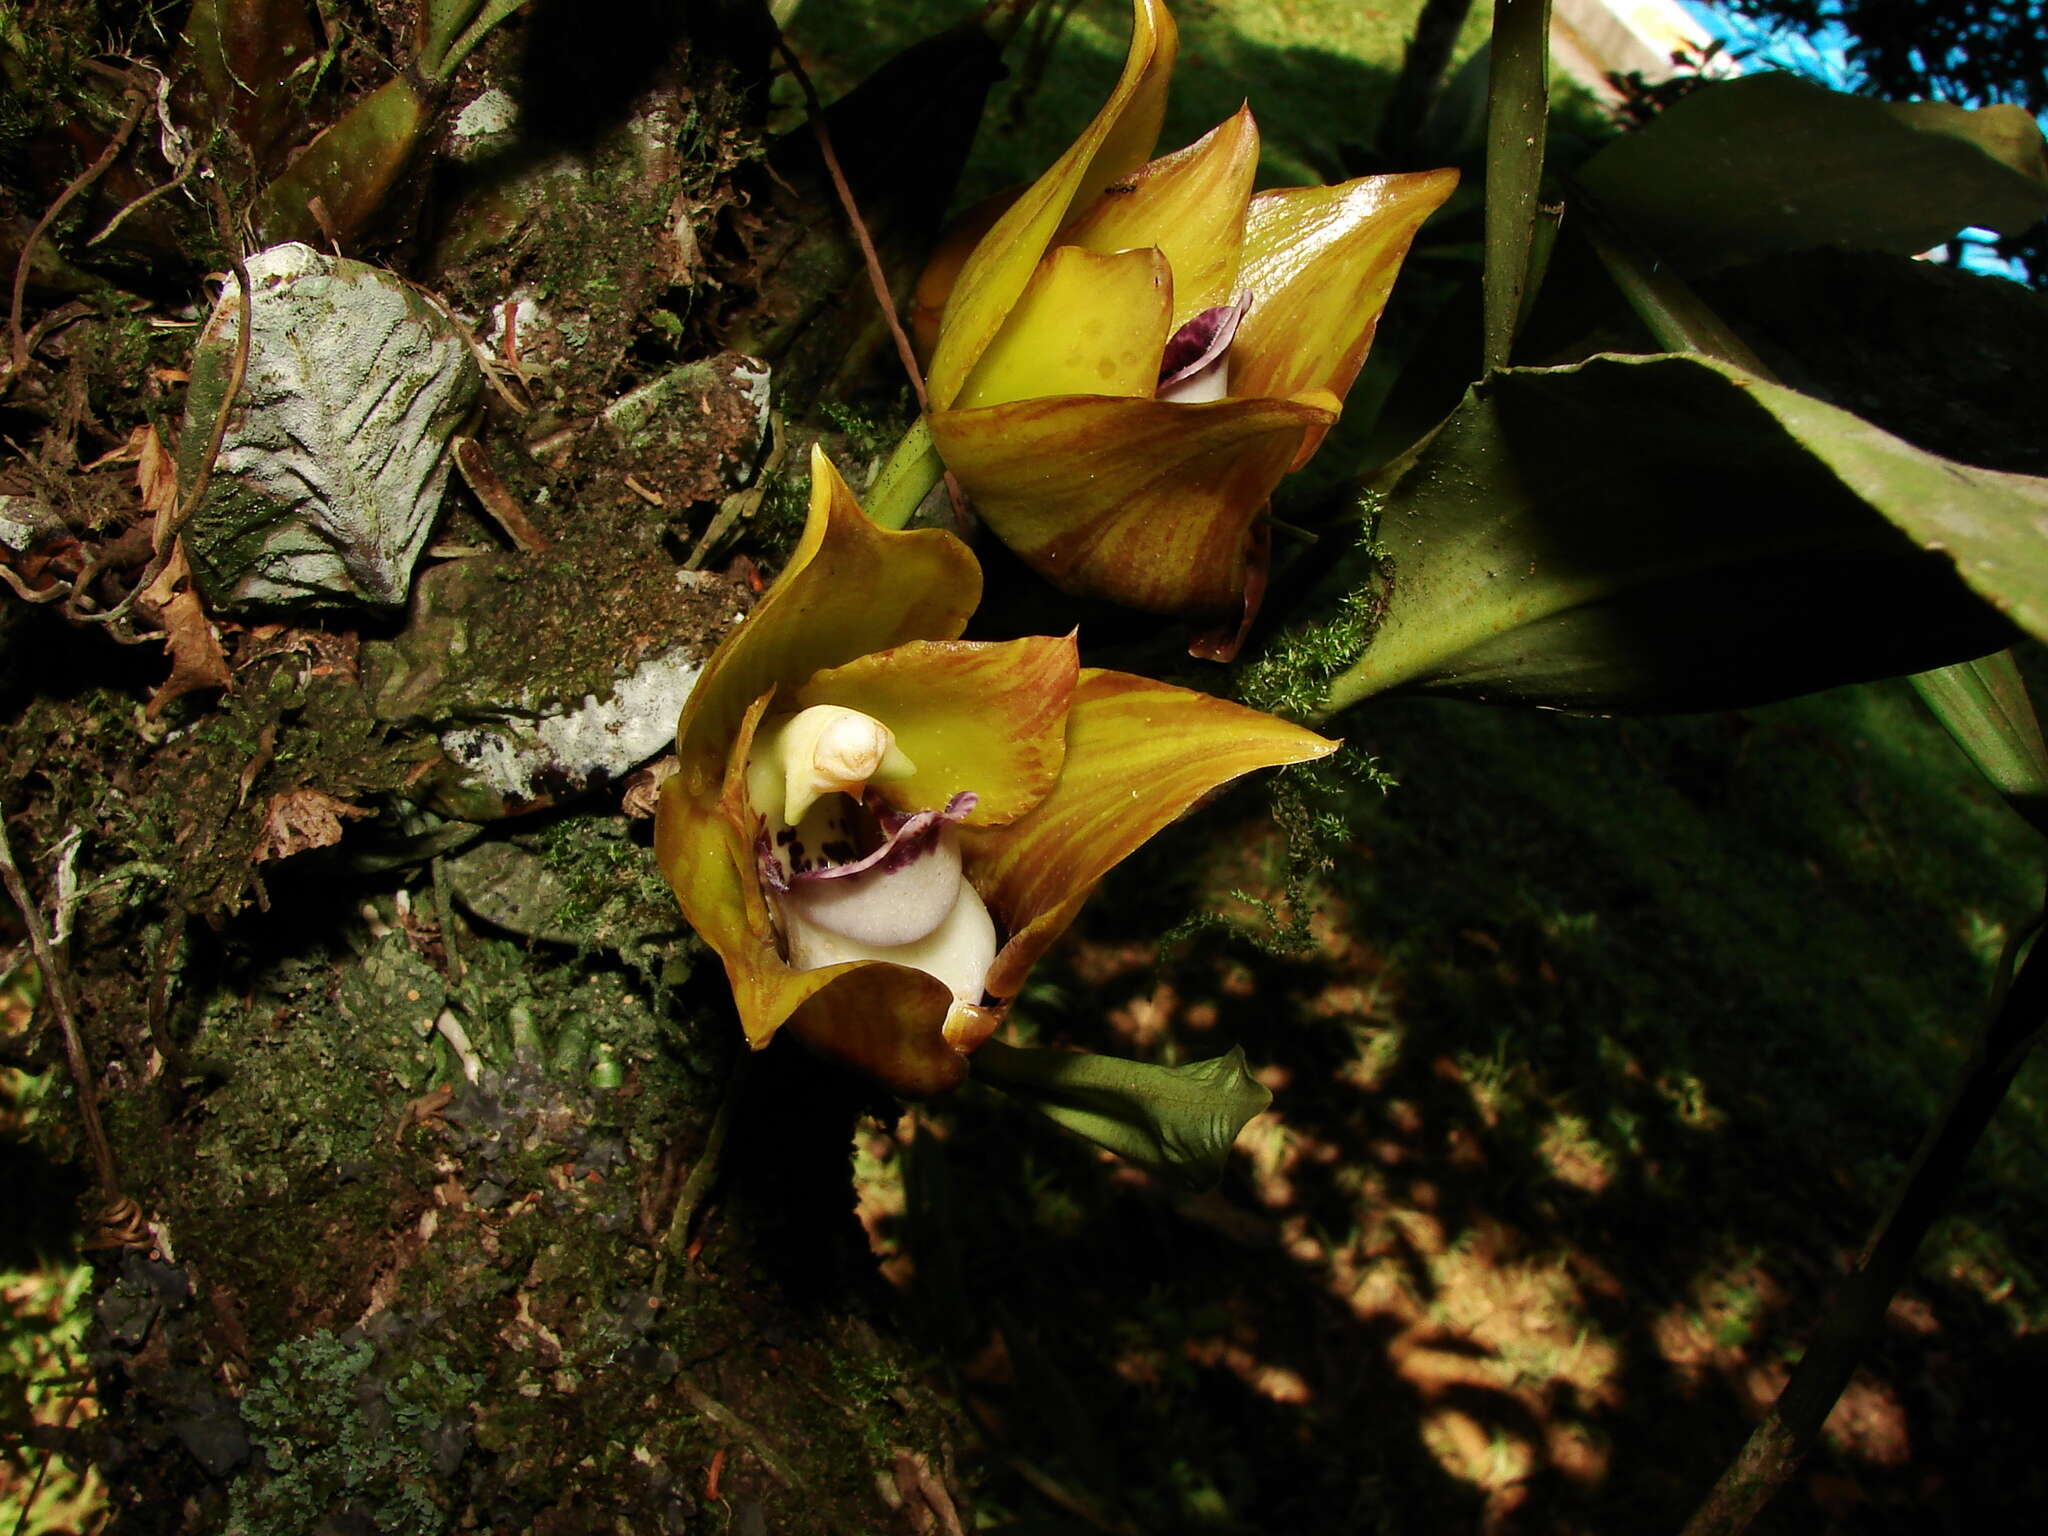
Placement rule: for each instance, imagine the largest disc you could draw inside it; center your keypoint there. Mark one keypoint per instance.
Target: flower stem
(913, 469)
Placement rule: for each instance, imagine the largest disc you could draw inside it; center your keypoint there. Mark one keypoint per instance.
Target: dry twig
(18, 342)
(64, 1004)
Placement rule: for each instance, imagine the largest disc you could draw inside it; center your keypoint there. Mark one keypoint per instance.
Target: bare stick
(168, 528)
(1853, 1318)
(17, 341)
(704, 1171)
(57, 988)
(877, 278)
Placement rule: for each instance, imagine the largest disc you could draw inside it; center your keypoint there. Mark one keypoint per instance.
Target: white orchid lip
(1196, 364)
(851, 878)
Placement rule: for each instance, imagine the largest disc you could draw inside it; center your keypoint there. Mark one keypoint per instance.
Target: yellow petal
(1191, 205)
(888, 1021)
(703, 846)
(1320, 262)
(1086, 325)
(848, 589)
(979, 716)
(935, 282)
(1139, 753)
(1143, 502)
(1115, 143)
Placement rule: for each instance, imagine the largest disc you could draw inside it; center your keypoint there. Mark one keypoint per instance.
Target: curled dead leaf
(295, 820)
(196, 658)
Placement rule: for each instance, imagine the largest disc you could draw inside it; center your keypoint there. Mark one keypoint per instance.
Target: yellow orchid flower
(1130, 357)
(880, 826)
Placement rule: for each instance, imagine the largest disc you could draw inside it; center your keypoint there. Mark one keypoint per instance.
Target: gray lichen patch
(602, 738)
(331, 471)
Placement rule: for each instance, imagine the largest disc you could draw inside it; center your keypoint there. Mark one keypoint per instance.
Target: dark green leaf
(1658, 533)
(1767, 163)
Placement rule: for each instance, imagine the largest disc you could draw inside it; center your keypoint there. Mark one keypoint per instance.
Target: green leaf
(1767, 163)
(1517, 119)
(451, 29)
(248, 56)
(1660, 533)
(1177, 1123)
(1984, 706)
(351, 167)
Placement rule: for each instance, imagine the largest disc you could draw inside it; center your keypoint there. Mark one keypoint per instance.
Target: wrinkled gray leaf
(337, 451)
(564, 895)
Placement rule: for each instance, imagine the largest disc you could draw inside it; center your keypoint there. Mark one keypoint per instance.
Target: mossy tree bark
(399, 1090)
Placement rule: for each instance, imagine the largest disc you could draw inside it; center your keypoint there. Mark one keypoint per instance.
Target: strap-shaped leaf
(1177, 1123)
(1745, 168)
(1656, 533)
(1984, 706)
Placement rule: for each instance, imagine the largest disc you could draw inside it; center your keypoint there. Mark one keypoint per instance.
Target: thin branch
(18, 348)
(57, 989)
(877, 278)
(705, 1170)
(168, 528)
(1774, 1451)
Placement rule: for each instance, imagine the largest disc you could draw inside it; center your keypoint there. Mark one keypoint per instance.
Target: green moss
(1291, 674)
(344, 1433)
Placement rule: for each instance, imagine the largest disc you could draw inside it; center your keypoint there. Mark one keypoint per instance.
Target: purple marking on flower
(906, 838)
(1201, 341)
(771, 867)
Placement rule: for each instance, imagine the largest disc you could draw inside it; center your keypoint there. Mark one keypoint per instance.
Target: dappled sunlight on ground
(1550, 1194)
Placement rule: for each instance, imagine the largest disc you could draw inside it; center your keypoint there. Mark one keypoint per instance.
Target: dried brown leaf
(295, 820)
(196, 658)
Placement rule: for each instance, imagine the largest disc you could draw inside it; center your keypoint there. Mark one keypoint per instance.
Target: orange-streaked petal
(1143, 502)
(1087, 324)
(1191, 205)
(1139, 753)
(849, 588)
(887, 1021)
(1116, 142)
(935, 282)
(982, 716)
(1320, 262)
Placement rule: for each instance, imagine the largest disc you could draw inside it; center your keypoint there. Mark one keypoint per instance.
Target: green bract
(1038, 773)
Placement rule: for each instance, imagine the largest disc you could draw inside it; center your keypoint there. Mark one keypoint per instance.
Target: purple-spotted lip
(1204, 338)
(907, 836)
